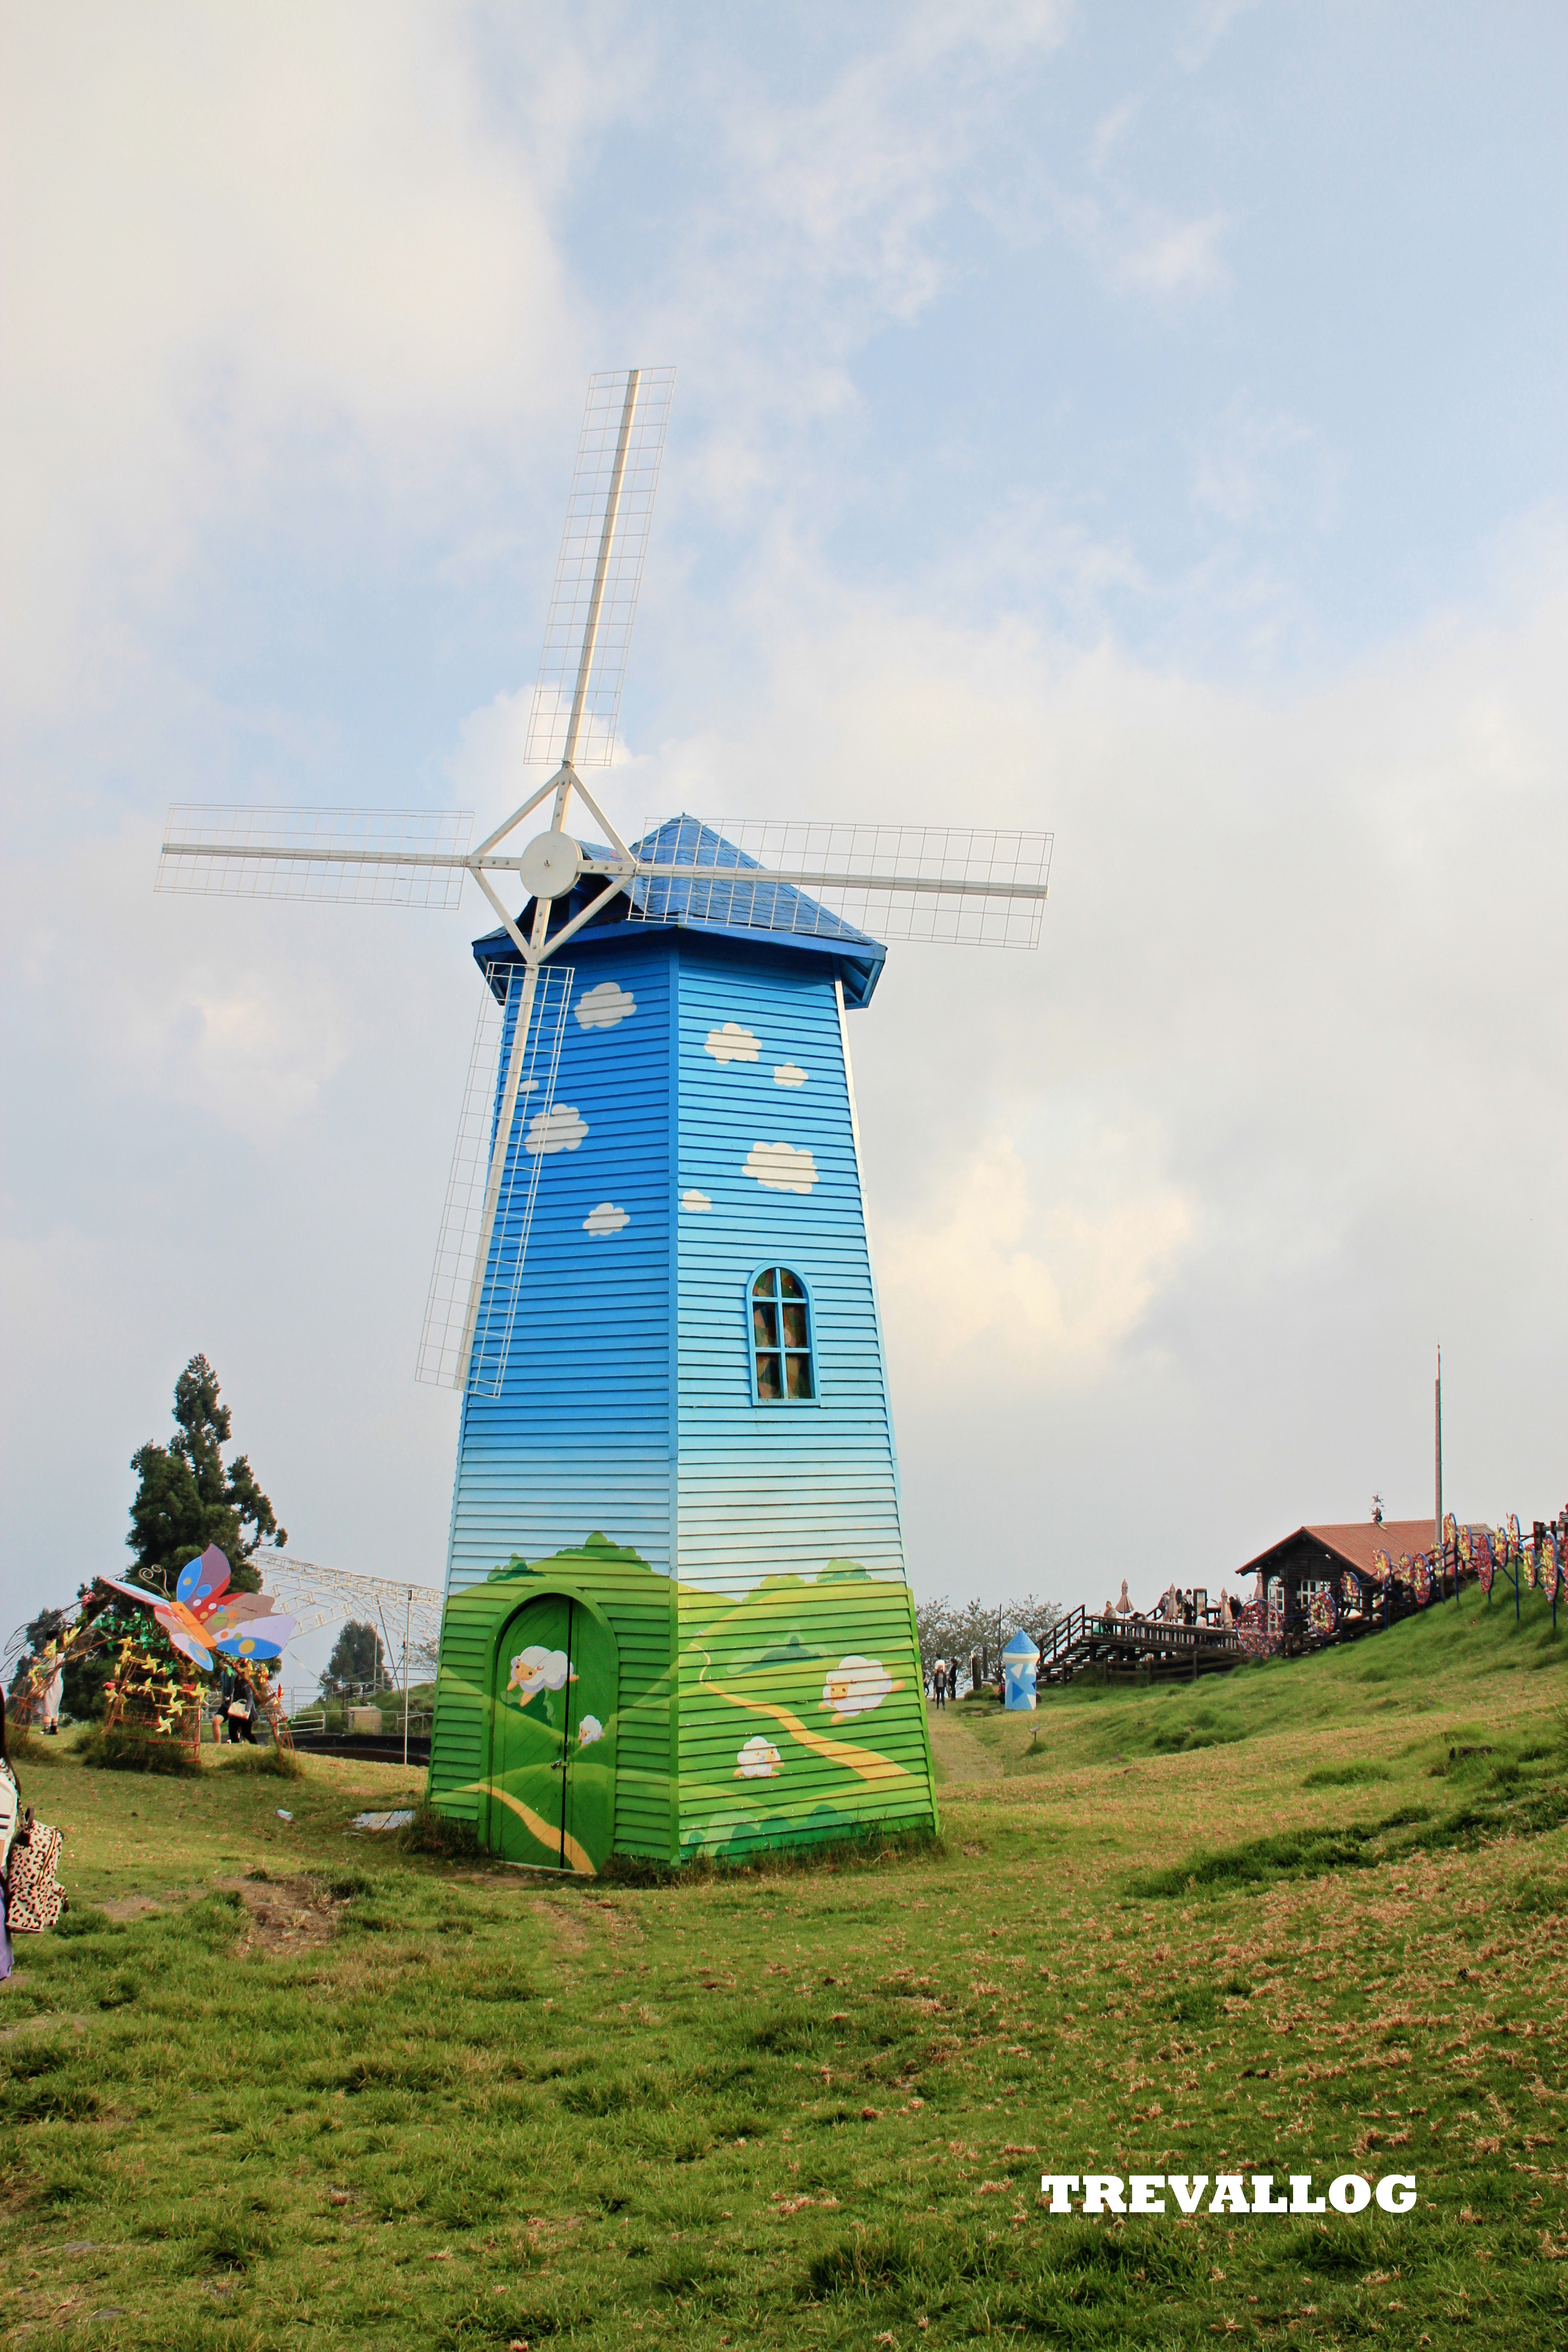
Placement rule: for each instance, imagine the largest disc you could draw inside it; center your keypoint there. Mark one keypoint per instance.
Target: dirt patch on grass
(138, 1906)
(566, 1929)
(285, 1915)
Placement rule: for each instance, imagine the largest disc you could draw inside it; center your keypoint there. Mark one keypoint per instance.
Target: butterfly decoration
(205, 1616)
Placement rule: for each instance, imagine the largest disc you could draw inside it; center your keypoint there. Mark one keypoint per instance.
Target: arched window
(781, 1338)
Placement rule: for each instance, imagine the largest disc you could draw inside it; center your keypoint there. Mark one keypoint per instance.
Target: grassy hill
(283, 2086)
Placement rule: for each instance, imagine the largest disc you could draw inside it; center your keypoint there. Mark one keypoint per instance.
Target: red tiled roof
(1355, 1543)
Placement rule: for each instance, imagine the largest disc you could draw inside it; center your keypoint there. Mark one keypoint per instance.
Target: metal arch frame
(333, 1591)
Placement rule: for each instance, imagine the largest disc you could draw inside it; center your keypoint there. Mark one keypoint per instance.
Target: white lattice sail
(950, 885)
(468, 1320)
(376, 858)
(577, 698)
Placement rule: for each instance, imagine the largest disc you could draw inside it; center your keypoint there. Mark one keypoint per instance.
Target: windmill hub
(550, 865)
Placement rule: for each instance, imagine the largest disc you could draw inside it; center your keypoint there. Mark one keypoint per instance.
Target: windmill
(674, 1404)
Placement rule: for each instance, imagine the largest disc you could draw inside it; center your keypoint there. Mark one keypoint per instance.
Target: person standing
(11, 1826)
(241, 1711)
(54, 1690)
(939, 1684)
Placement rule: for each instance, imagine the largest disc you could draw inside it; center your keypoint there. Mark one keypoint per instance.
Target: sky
(1143, 423)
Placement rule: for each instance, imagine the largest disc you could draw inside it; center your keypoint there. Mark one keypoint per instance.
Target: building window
(781, 1337)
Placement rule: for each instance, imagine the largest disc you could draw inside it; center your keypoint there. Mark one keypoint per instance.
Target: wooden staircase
(1128, 1645)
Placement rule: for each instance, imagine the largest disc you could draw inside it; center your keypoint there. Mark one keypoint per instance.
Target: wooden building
(1341, 1558)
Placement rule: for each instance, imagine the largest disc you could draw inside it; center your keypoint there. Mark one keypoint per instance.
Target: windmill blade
(473, 1304)
(958, 887)
(358, 858)
(577, 700)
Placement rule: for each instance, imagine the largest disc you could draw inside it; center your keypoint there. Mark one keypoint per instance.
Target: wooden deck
(1131, 1645)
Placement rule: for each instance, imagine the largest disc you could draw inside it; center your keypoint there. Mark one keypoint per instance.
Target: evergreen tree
(358, 1663)
(186, 1498)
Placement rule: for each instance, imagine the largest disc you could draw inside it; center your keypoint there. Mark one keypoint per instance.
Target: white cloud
(730, 1043)
(780, 1167)
(758, 1759)
(606, 1219)
(560, 1128)
(1169, 257)
(1025, 1287)
(1259, 466)
(789, 1074)
(695, 1201)
(288, 244)
(605, 1006)
(856, 1686)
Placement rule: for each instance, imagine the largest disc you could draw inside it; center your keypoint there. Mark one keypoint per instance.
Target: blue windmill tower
(677, 1616)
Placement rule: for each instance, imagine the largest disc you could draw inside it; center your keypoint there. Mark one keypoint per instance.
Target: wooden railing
(1156, 1637)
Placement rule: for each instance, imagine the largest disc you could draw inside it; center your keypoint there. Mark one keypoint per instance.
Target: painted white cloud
(588, 1731)
(856, 1687)
(780, 1167)
(759, 1759)
(559, 1129)
(605, 1006)
(606, 1219)
(789, 1074)
(695, 1201)
(730, 1043)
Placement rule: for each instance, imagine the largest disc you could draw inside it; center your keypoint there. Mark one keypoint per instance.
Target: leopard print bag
(35, 1897)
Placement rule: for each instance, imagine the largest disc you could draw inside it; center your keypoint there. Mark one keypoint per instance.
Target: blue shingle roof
(731, 906)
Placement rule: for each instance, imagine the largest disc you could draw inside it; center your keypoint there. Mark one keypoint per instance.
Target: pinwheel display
(205, 1617)
(1323, 1609)
(1483, 1559)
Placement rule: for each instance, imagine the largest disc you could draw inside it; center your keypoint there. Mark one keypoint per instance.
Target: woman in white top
(11, 1823)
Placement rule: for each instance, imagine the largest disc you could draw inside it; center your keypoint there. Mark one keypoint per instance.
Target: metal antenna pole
(1439, 1549)
(407, 1628)
(607, 537)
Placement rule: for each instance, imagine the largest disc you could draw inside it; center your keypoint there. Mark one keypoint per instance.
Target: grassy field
(281, 2085)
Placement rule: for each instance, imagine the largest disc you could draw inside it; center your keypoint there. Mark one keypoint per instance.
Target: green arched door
(552, 1778)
